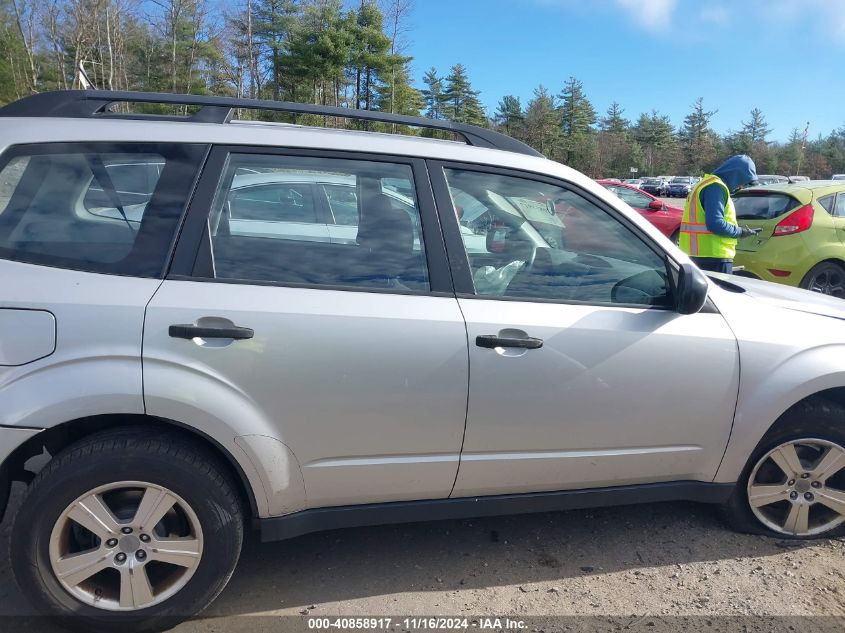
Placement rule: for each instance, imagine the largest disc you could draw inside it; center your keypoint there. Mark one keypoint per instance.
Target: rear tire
(800, 499)
(88, 545)
(826, 278)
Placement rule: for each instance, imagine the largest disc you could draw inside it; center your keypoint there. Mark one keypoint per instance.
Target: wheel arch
(58, 437)
(828, 257)
(741, 449)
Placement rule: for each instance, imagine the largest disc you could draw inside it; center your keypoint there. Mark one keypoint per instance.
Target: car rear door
(582, 373)
(353, 356)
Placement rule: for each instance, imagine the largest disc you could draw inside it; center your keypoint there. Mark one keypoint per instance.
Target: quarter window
(317, 221)
(827, 203)
(109, 208)
(839, 209)
(533, 240)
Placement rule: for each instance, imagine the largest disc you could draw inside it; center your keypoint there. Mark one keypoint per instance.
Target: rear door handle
(492, 341)
(189, 331)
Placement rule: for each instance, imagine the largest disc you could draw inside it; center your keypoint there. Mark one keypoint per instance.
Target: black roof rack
(96, 103)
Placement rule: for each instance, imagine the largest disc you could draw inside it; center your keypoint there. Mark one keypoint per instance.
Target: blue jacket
(735, 172)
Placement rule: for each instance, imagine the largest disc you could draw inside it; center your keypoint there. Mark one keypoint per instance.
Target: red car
(666, 218)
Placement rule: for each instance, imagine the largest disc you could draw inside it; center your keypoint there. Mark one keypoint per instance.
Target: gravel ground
(665, 566)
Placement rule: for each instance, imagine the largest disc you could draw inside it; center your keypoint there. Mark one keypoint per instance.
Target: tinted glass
(281, 202)
(379, 245)
(343, 203)
(134, 181)
(63, 207)
(593, 258)
(827, 203)
(763, 206)
(839, 209)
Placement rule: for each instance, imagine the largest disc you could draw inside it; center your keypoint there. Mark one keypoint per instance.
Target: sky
(786, 57)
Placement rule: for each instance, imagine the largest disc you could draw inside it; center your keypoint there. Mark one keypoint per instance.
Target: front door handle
(189, 331)
(492, 341)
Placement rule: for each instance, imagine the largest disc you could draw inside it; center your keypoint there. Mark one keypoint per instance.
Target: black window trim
(192, 257)
(42, 148)
(462, 274)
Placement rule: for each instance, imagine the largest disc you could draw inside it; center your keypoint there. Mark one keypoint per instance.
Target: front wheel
(126, 531)
(794, 484)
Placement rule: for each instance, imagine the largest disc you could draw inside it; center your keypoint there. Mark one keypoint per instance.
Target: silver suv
(489, 333)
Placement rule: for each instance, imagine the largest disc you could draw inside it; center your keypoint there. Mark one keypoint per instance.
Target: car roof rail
(96, 104)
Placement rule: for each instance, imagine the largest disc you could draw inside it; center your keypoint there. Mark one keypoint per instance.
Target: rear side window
(108, 208)
(323, 222)
(765, 206)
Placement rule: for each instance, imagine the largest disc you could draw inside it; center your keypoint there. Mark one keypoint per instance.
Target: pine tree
(577, 116)
(697, 139)
(433, 94)
(541, 127)
(370, 53)
(613, 147)
(460, 101)
(655, 136)
(509, 114)
(397, 95)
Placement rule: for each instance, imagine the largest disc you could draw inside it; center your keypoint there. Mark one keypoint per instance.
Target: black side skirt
(320, 519)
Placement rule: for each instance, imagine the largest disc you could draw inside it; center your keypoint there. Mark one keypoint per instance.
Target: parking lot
(652, 567)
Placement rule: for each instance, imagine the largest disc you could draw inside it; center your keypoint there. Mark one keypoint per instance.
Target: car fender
(197, 397)
(762, 404)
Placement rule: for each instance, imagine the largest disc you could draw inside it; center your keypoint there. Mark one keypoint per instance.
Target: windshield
(763, 206)
(682, 181)
(651, 181)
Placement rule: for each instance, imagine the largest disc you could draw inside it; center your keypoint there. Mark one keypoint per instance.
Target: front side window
(99, 207)
(534, 240)
(281, 230)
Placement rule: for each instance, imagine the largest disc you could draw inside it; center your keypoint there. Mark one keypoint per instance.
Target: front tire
(127, 531)
(794, 484)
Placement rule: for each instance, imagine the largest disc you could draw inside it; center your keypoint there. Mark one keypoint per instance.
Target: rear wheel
(827, 278)
(127, 532)
(794, 484)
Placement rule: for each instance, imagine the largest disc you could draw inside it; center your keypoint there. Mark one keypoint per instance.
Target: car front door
(582, 373)
(352, 356)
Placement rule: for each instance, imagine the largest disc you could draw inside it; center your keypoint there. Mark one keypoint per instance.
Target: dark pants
(714, 264)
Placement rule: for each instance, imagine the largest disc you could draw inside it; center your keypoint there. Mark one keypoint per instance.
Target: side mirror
(691, 289)
(655, 205)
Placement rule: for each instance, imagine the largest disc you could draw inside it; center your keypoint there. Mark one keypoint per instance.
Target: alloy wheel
(798, 488)
(829, 280)
(126, 546)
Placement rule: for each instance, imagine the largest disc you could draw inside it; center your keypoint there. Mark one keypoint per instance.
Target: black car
(656, 186)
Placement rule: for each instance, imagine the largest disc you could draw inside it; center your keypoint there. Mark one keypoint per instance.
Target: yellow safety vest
(695, 239)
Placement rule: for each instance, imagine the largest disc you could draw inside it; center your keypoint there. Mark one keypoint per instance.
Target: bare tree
(25, 15)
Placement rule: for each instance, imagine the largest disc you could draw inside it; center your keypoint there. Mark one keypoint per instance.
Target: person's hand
(747, 231)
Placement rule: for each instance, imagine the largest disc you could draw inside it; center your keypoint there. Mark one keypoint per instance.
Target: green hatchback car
(802, 235)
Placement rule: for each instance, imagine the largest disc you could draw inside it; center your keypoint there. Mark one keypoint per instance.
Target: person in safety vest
(709, 231)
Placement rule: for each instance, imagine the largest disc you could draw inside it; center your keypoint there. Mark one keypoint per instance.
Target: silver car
(486, 332)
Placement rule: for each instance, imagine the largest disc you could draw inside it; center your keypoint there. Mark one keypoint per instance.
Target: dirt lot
(655, 567)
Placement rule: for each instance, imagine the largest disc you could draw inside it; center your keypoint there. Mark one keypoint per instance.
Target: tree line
(322, 52)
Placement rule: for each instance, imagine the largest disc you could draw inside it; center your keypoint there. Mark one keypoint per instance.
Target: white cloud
(655, 15)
